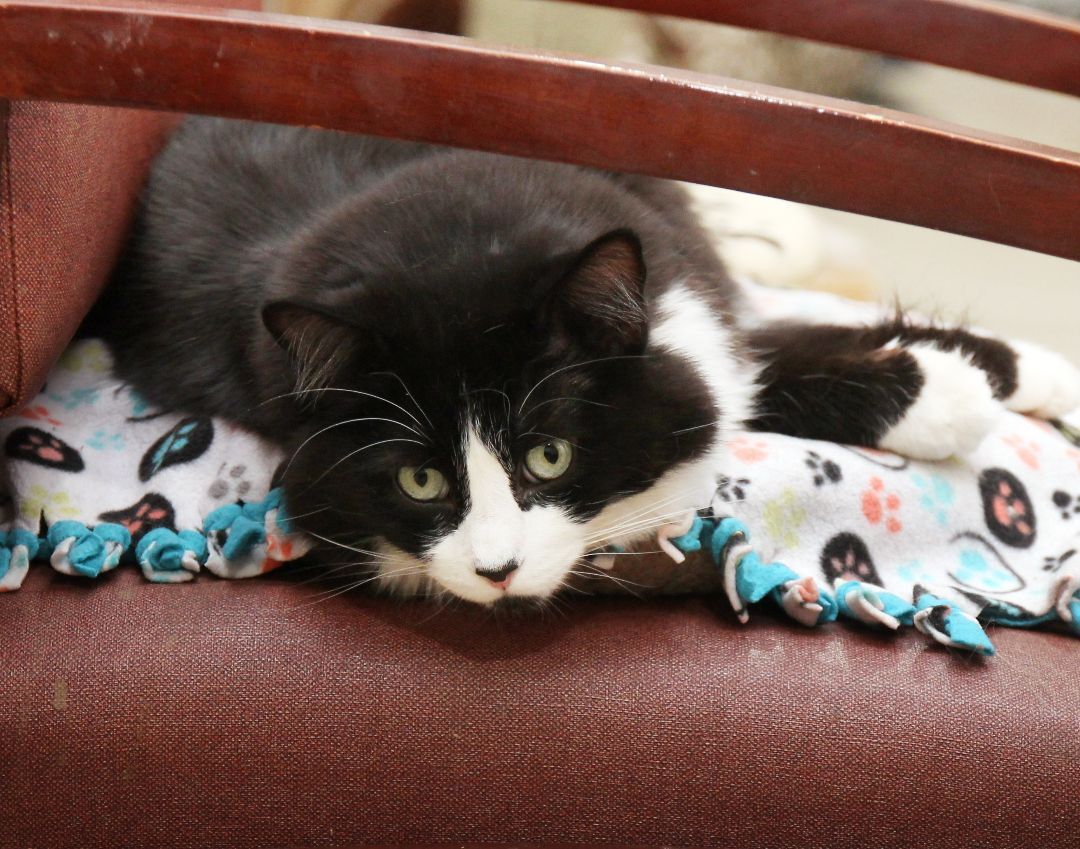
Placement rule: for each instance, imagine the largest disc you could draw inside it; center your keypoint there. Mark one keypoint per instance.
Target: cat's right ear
(317, 342)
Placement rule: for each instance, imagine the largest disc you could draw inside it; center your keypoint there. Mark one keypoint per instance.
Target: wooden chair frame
(637, 118)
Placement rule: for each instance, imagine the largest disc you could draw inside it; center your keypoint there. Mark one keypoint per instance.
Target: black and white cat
(485, 368)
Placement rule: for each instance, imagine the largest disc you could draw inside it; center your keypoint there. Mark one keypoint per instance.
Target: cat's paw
(954, 410)
(1047, 384)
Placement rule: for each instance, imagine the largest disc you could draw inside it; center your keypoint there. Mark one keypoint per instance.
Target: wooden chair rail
(631, 118)
(994, 39)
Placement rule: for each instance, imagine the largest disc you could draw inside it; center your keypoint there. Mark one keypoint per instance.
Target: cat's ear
(600, 301)
(317, 342)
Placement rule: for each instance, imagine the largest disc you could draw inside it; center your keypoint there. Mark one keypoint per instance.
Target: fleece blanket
(92, 479)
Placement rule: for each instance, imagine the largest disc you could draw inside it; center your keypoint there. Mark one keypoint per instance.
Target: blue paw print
(915, 572)
(74, 398)
(139, 405)
(936, 496)
(976, 571)
(175, 445)
(103, 441)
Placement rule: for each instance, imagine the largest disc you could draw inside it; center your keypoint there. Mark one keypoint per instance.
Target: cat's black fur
(425, 273)
(362, 301)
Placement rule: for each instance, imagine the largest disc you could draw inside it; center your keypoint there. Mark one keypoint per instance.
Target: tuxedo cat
(484, 368)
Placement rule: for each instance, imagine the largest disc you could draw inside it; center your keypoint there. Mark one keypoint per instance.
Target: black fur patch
(413, 290)
(841, 384)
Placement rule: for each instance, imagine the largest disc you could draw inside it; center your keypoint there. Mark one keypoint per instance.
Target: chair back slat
(631, 118)
(994, 39)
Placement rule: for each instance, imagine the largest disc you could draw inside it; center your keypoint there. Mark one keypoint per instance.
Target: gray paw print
(230, 479)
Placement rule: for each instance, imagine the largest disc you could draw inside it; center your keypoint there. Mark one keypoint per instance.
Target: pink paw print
(879, 505)
(749, 450)
(1025, 449)
(39, 414)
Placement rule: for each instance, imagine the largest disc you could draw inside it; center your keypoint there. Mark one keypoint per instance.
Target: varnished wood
(633, 118)
(995, 39)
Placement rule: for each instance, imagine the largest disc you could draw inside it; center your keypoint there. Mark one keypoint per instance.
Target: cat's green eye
(548, 460)
(423, 484)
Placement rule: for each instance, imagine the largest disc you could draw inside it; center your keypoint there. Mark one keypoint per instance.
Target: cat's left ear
(600, 302)
(317, 341)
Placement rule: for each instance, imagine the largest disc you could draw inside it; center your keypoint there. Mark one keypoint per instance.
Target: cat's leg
(923, 391)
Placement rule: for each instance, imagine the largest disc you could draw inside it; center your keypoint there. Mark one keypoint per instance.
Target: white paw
(954, 411)
(1047, 384)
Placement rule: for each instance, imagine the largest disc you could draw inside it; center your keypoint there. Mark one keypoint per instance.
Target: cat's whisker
(353, 453)
(645, 514)
(623, 583)
(561, 439)
(292, 518)
(552, 374)
(536, 407)
(713, 423)
(334, 573)
(372, 395)
(342, 424)
(652, 505)
(318, 598)
(412, 398)
(632, 553)
(350, 547)
(625, 529)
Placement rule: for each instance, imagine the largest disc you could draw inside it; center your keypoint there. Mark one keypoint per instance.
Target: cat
(484, 369)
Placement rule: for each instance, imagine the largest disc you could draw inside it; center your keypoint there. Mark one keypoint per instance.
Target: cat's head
(482, 439)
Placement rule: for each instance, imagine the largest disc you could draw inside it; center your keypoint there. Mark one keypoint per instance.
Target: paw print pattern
(1025, 449)
(1007, 509)
(1069, 505)
(784, 516)
(936, 495)
(981, 567)
(103, 441)
(845, 557)
(731, 489)
(880, 506)
(40, 413)
(88, 356)
(74, 399)
(47, 506)
(824, 471)
(186, 441)
(149, 512)
(229, 479)
(42, 449)
(749, 450)
(1054, 564)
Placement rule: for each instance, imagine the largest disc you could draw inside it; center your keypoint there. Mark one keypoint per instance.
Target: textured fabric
(68, 178)
(104, 477)
(254, 714)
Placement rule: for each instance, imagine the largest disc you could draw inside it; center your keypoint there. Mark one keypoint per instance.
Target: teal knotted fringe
(747, 580)
(162, 554)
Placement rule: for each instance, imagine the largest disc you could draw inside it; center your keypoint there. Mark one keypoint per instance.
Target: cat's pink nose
(500, 576)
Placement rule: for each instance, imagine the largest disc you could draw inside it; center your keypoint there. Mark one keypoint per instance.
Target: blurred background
(1012, 292)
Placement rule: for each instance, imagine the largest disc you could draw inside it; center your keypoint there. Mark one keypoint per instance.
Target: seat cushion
(261, 714)
(68, 179)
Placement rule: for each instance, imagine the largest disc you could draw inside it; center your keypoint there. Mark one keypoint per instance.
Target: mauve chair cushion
(251, 714)
(69, 176)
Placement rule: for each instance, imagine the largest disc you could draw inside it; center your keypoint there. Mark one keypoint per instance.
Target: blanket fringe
(747, 580)
(235, 541)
